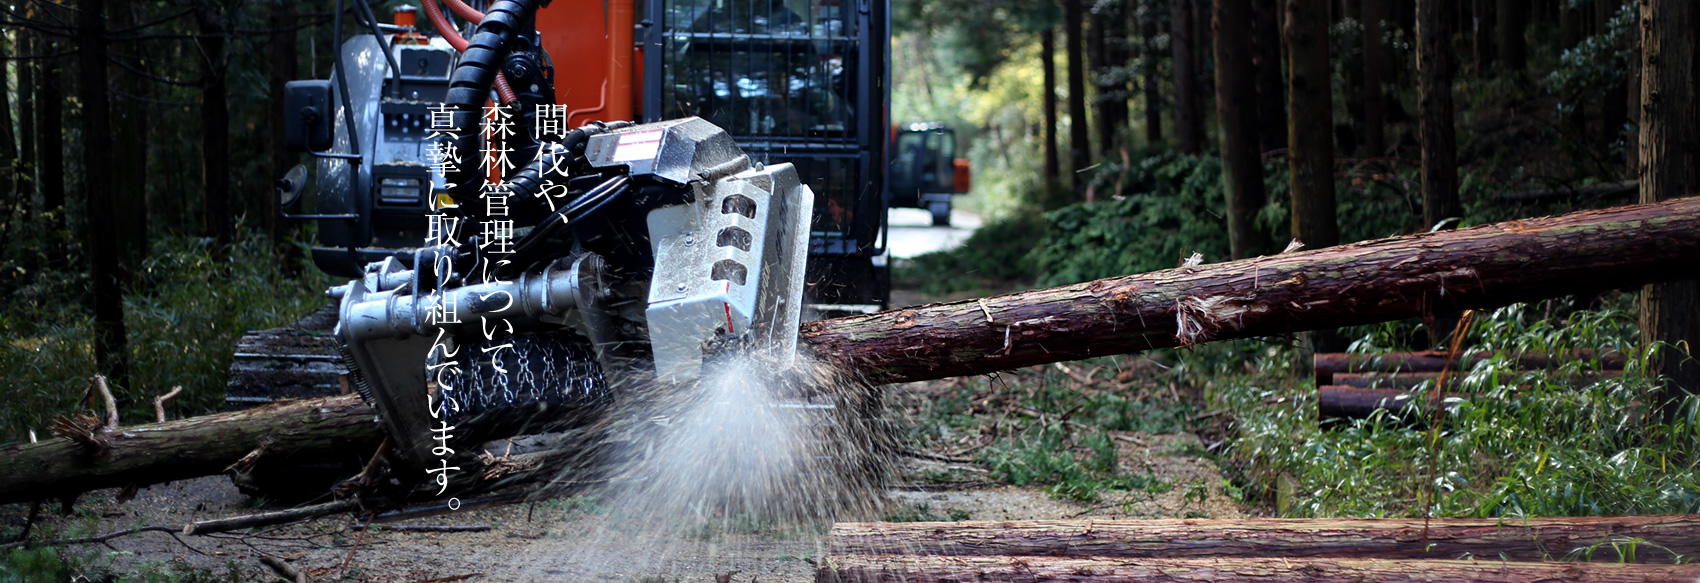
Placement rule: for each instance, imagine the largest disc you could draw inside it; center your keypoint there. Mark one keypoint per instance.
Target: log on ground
(1329, 364)
(1659, 538)
(1373, 281)
(187, 448)
(937, 569)
(1455, 379)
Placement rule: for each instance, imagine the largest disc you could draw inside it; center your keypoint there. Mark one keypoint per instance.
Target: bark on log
(1448, 538)
(1338, 402)
(1327, 365)
(1405, 381)
(918, 569)
(187, 448)
(1367, 282)
(1373, 281)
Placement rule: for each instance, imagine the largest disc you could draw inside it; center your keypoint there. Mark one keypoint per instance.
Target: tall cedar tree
(1079, 139)
(26, 135)
(1434, 107)
(110, 346)
(1147, 18)
(1670, 168)
(8, 144)
(50, 96)
(130, 132)
(1110, 49)
(1053, 167)
(215, 128)
(1189, 115)
(1271, 84)
(1236, 118)
(1310, 124)
(1513, 16)
(1375, 140)
(281, 18)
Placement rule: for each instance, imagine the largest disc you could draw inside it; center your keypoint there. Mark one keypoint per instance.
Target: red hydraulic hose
(441, 22)
(465, 12)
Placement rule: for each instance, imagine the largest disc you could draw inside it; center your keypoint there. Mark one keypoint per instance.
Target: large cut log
(1662, 538)
(1368, 282)
(937, 569)
(1341, 402)
(187, 448)
(1328, 364)
(1362, 283)
(1411, 380)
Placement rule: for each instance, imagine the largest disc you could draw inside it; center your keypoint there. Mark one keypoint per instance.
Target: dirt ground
(572, 539)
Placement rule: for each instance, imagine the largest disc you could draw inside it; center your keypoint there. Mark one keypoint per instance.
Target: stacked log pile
(1355, 386)
(1639, 548)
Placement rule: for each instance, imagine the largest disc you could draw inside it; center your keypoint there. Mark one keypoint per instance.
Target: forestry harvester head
(609, 254)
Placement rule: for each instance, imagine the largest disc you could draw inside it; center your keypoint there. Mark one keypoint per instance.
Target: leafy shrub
(183, 316)
(995, 256)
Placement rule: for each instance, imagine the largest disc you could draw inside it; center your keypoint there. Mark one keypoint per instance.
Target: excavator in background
(925, 172)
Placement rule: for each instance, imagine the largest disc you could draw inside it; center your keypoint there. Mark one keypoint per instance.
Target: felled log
(1362, 283)
(938, 569)
(187, 448)
(1328, 364)
(1338, 402)
(1449, 538)
(1373, 281)
(1411, 380)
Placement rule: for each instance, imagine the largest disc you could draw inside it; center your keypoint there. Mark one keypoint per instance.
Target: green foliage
(183, 315)
(994, 257)
(1052, 433)
(1596, 64)
(32, 566)
(1537, 443)
(1171, 211)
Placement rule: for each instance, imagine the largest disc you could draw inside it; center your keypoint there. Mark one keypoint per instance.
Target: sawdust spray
(753, 450)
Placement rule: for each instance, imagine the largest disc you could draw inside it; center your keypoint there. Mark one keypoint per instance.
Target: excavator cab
(925, 171)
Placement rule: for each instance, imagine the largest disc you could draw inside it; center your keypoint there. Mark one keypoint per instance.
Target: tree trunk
(1148, 72)
(1512, 49)
(8, 141)
(1668, 538)
(1271, 78)
(130, 156)
(1189, 117)
(1310, 134)
(1053, 168)
(51, 149)
(1362, 283)
(1434, 107)
(26, 120)
(1080, 140)
(1098, 61)
(215, 130)
(280, 231)
(1375, 107)
(1670, 168)
(111, 350)
(940, 569)
(1481, 34)
(1112, 77)
(1236, 118)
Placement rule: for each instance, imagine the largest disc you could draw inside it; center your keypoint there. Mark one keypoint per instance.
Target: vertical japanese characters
(492, 238)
